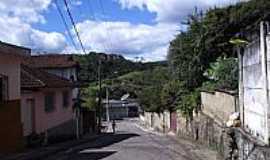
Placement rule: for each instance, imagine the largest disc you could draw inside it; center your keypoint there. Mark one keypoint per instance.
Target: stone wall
(231, 143)
(204, 130)
(248, 148)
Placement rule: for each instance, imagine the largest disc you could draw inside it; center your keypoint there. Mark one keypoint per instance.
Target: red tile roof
(10, 49)
(51, 61)
(36, 78)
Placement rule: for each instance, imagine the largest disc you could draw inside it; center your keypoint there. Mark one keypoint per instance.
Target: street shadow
(89, 150)
(110, 139)
(93, 155)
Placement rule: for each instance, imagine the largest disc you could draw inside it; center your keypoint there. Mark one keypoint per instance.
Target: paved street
(133, 143)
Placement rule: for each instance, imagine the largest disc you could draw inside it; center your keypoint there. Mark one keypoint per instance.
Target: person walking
(113, 126)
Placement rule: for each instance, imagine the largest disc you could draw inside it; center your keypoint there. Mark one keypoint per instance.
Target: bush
(171, 94)
(223, 74)
(189, 102)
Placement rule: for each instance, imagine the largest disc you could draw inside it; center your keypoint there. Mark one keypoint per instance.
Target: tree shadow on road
(92, 155)
(110, 139)
(88, 151)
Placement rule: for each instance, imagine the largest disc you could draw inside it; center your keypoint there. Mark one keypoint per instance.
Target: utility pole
(99, 96)
(107, 105)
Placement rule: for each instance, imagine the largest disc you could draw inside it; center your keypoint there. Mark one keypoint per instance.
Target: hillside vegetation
(112, 66)
(199, 58)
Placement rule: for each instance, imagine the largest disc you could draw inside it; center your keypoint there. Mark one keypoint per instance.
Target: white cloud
(26, 10)
(77, 2)
(172, 11)
(17, 17)
(14, 31)
(131, 40)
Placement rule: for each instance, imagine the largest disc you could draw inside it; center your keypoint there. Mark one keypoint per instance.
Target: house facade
(46, 104)
(58, 64)
(63, 66)
(11, 136)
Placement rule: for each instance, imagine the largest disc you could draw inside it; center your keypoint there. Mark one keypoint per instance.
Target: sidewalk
(43, 152)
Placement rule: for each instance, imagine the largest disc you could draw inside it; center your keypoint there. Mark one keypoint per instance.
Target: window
(3, 88)
(66, 99)
(49, 102)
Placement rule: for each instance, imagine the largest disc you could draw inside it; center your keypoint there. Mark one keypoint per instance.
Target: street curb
(45, 152)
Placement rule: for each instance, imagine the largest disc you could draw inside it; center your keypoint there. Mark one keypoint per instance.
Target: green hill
(112, 66)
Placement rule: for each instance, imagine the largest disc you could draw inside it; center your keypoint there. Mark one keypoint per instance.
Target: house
(46, 104)
(62, 65)
(11, 132)
(65, 66)
(254, 82)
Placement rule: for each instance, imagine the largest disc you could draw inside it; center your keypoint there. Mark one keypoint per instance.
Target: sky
(132, 28)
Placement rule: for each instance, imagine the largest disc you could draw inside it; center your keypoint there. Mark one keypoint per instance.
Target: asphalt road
(132, 142)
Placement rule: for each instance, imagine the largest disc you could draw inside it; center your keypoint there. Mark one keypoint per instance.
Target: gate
(88, 121)
(173, 121)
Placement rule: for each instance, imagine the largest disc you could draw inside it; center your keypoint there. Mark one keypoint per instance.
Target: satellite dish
(124, 97)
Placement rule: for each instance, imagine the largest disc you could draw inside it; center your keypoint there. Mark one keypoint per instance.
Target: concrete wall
(254, 96)
(159, 122)
(219, 105)
(254, 85)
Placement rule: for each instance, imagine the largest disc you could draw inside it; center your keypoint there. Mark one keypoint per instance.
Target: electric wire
(74, 26)
(66, 25)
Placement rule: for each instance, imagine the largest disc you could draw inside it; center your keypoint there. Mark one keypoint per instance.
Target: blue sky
(91, 9)
(132, 28)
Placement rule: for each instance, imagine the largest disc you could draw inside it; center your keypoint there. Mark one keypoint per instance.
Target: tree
(90, 96)
(224, 73)
(171, 94)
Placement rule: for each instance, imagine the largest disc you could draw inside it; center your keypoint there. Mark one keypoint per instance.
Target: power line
(74, 26)
(65, 24)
